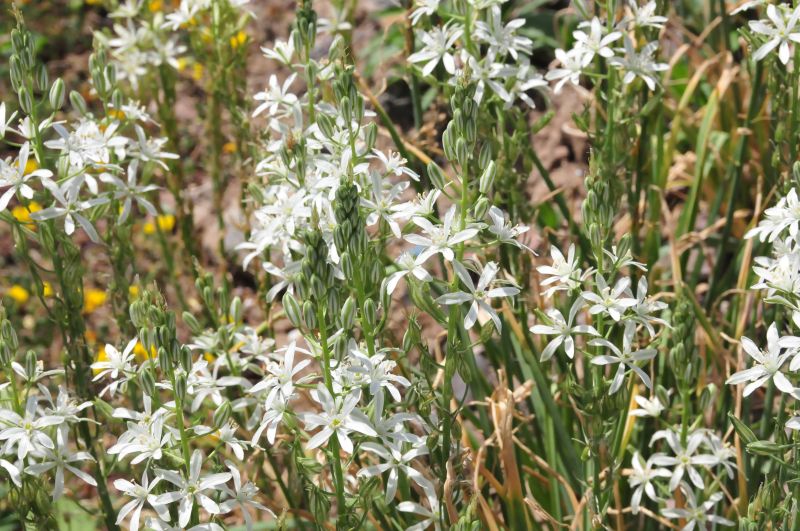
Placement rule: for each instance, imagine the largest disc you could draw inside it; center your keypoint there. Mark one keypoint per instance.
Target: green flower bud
(292, 309)
(78, 102)
(57, 94)
(487, 178)
(222, 414)
(348, 314)
(436, 176)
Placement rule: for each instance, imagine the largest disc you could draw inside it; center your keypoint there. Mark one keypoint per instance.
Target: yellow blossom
(141, 352)
(166, 222)
(101, 356)
(18, 293)
(155, 5)
(117, 114)
(229, 147)
(197, 71)
(239, 39)
(47, 289)
(93, 299)
(23, 214)
(133, 291)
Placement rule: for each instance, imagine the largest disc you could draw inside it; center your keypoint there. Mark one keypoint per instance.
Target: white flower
(283, 51)
(436, 47)
(282, 375)
(60, 458)
(563, 329)
(129, 191)
(5, 121)
(193, 489)
(149, 149)
(649, 407)
(117, 365)
(141, 494)
(430, 516)
(784, 215)
(26, 433)
(683, 459)
(504, 231)
(478, 295)
(272, 418)
(440, 238)
(339, 416)
(13, 174)
(407, 264)
(639, 64)
(697, 515)
(382, 201)
(376, 372)
(144, 440)
(572, 64)
(596, 42)
(394, 164)
(625, 358)
(644, 16)
(422, 8)
(645, 307)
(614, 301)
(502, 39)
(767, 363)
(565, 274)
(70, 206)
(242, 496)
(276, 97)
(395, 460)
(641, 480)
(781, 31)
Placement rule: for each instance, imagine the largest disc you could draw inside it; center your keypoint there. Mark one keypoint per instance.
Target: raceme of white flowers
(186, 420)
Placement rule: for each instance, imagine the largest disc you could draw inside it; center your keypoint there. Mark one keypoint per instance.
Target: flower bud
(369, 314)
(30, 362)
(481, 207)
(25, 100)
(309, 315)
(222, 414)
(436, 176)
(236, 310)
(487, 178)
(180, 386)
(292, 309)
(348, 313)
(57, 94)
(147, 382)
(78, 102)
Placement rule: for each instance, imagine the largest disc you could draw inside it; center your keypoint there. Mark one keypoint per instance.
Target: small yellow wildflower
(93, 299)
(166, 222)
(209, 357)
(101, 356)
(117, 114)
(133, 291)
(47, 289)
(239, 39)
(23, 214)
(141, 352)
(229, 147)
(18, 293)
(90, 336)
(182, 63)
(197, 71)
(155, 6)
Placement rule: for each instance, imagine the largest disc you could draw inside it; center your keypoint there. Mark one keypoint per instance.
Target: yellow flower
(197, 71)
(94, 2)
(23, 214)
(18, 293)
(31, 165)
(90, 336)
(47, 289)
(133, 291)
(101, 356)
(209, 357)
(229, 147)
(115, 113)
(141, 352)
(182, 62)
(155, 5)
(166, 222)
(93, 299)
(239, 39)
